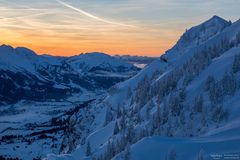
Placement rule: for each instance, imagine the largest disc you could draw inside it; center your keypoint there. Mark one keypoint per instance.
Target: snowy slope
(157, 147)
(171, 97)
(174, 59)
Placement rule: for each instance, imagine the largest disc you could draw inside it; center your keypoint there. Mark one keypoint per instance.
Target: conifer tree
(88, 150)
(116, 128)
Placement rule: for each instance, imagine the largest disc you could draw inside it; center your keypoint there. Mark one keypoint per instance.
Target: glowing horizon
(134, 27)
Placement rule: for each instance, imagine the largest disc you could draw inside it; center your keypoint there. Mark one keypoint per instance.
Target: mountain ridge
(44, 73)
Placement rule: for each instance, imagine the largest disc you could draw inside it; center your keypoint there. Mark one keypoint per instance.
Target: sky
(135, 27)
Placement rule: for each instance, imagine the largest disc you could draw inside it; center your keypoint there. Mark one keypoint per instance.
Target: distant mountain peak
(6, 47)
(216, 20)
(18, 50)
(93, 54)
(217, 17)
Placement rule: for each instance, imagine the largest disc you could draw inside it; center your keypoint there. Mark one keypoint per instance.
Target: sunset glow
(136, 27)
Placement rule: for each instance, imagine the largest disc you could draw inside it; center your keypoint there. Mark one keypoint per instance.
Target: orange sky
(133, 41)
(59, 49)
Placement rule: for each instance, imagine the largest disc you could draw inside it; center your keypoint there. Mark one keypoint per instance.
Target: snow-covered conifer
(210, 82)
(219, 113)
(236, 63)
(108, 116)
(172, 155)
(200, 155)
(88, 149)
(126, 154)
(198, 103)
(116, 128)
(229, 83)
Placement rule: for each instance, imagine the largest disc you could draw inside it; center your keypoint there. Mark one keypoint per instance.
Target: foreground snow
(224, 141)
(219, 144)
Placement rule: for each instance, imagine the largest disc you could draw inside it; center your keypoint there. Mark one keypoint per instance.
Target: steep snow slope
(188, 92)
(216, 141)
(171, 59)
(223, 141)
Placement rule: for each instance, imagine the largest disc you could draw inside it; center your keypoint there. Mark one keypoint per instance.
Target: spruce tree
(88, 150)
(236, 64)
(116, 128)
(172, 155)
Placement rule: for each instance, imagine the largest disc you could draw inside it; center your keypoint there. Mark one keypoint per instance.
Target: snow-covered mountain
(90, 62)
(26, 75)
(188, 97)
(39, 94)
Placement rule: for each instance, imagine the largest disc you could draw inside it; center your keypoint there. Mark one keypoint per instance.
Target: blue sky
(141, 27)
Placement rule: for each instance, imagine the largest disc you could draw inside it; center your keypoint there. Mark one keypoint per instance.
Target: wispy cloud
(15, 18)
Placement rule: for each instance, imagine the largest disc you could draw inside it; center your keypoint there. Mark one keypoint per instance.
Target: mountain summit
(197, 35)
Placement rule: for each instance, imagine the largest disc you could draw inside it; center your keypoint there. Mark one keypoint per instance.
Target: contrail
(93, 16)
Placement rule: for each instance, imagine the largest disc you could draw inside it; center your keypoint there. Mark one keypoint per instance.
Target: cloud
(93, 16)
